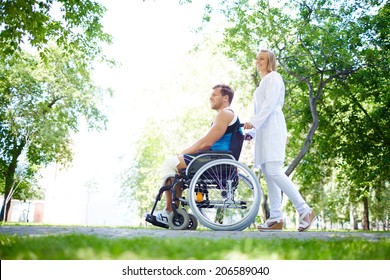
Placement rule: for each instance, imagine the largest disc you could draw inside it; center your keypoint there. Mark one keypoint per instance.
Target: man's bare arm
(221, 122)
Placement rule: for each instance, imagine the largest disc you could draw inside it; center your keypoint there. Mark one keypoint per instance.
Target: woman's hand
(248, 125)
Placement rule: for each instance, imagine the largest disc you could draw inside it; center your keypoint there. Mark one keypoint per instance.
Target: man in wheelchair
(218, 138)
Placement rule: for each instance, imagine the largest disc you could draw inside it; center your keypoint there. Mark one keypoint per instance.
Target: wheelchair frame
(215, 180)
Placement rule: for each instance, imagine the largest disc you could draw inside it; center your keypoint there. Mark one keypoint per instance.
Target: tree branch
(310, 134)
(54, 101)
(310, 54)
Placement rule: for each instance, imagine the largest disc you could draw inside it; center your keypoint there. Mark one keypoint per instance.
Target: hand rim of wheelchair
(249, 217)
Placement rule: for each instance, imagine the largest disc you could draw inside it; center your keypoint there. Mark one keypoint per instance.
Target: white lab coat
(268, 120)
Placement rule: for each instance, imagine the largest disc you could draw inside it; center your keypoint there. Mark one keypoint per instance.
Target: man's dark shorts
(189, 157)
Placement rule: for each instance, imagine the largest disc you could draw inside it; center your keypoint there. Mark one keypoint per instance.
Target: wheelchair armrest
(214, 152)
(204, 157)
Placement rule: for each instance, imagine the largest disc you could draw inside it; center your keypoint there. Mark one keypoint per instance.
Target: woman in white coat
(270, 144)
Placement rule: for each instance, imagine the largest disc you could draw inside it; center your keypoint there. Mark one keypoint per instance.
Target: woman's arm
(273, 86)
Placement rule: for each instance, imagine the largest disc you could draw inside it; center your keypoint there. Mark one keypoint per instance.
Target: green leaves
(43, 98)
(72, 24)
(40, 107)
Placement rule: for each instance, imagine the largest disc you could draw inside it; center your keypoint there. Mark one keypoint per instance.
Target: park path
(123, 232)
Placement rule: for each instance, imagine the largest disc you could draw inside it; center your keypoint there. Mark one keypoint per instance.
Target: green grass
(90, 247)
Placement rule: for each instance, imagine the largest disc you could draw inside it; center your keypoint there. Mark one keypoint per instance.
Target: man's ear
(226, 98)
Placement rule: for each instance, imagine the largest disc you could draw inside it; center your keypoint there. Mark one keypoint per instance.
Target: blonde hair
(272, 65)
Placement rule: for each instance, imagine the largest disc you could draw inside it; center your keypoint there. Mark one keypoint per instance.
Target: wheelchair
(223, 194)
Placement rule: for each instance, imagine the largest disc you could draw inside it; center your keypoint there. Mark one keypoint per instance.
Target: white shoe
(271, 224)
(310, 216)
(162, 216)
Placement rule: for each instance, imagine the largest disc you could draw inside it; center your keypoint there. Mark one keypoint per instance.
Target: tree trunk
(10, 178)
(323, 222)
(5, 209)
(352, 217)
(366, 220)
(308, 140)
(9, 181)
(313, 108)
(314, 113)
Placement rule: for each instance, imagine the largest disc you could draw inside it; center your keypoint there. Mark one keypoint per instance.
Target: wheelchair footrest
(152, 219)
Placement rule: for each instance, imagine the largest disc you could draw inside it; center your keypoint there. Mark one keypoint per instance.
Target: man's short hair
(226, 90)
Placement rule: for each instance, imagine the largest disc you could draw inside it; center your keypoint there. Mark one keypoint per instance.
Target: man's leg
(171, 167)
(168, 194)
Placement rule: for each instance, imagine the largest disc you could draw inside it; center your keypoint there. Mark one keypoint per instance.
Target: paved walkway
(118, 232)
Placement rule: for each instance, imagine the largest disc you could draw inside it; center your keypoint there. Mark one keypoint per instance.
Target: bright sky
(150, 39)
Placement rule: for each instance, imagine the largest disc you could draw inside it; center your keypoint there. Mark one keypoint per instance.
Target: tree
(41, 103)
(294, 32)
(71, 24)
(357, 133)
(42, 98)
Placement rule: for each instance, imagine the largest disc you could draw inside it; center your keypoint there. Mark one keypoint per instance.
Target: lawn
(91, 247)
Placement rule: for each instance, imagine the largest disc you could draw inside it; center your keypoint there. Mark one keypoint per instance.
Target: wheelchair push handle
(248, 136)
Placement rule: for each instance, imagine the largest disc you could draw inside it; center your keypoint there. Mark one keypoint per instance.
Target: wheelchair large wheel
(225, 195)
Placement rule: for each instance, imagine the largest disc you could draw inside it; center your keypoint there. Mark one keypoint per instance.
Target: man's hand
(248, 137)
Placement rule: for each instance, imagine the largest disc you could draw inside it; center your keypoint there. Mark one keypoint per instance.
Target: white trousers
(278, 182)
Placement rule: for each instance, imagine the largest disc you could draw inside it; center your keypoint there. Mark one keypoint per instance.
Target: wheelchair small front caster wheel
(193, 224)
(180, 221)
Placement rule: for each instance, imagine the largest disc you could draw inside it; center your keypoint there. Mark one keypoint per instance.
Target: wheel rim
(231, 195)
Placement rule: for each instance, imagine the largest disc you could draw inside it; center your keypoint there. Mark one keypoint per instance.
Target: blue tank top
(223, 144)
(231, 140)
